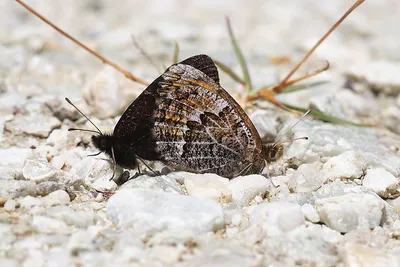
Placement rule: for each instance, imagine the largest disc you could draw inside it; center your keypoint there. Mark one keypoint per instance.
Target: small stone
(14, 157)
(59, 139)
(306, 245)
(380, 181)
(38, 170)
(380, 75)
(77, 218)
(168, 255)
(28, 202)
(162, 183)
(46, 187)
(349, 164)
(96, 173)
(59, 197)
(210, 186)
(307, 178)
(11, 189)
(245, 188)
(310, 213)
(10, 174)
(276, 217)
(9, 101)
(355, 254)
(10, 205)
(224, 253)
(46, 225)
(103, 94)
(81, 241)
(36, 125)
(396, 205)
(350, 211)
(152, 211)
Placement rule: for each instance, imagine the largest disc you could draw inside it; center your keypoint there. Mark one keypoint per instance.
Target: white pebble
(355, 254)
(276, 217)
(310, 213)
(36, 125)
(349, 164)
(307, 178)
(46, 225)
(210, 186)
(148, 211)
(38, 170)
(164, 183)
(10, 205)
(14, 157)
(103, 94)
(380, 181)
(59, 197)
(28, 202)
(246, 188)
(350, 211)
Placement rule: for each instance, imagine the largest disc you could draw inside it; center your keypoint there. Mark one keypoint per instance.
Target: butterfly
(187, 121)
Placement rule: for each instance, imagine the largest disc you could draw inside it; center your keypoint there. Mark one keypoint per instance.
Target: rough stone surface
(209, 186)
(57, 206)
(12, 189)
(35, 125)
(151, 211)
(163, 183)
(276, 217)
(381, 181)
(350, 211)
(245, 188)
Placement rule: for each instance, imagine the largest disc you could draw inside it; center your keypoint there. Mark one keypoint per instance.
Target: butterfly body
(186, 120)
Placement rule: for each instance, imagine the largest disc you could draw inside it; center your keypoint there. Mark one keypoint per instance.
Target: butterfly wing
(188, 121)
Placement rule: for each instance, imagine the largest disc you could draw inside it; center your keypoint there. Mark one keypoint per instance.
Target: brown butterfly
(186, 120)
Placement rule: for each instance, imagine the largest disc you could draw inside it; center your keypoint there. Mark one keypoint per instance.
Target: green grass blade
(175, 57)
(229, 71)
(240, 57)
(324, 117)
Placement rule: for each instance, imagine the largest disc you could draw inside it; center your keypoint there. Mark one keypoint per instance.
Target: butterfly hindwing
(189, 122)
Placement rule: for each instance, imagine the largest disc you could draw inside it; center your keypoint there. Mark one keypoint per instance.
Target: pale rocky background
(336, 203)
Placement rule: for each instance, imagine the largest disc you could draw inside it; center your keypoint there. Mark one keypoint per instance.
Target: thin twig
(76, 41)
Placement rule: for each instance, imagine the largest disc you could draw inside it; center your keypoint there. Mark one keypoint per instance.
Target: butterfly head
(272, 152)
(103, 142)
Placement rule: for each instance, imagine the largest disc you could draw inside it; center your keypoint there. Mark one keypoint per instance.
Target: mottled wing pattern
(198, 127)
(188, 121)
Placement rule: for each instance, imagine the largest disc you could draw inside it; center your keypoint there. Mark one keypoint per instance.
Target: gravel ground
(336, 203)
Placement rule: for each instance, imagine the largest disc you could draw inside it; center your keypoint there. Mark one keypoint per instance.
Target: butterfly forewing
(188, 121)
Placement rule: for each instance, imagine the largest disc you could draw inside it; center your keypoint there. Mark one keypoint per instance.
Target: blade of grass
(229, 71)
(240, 57)
(175, 57)
(324, 117)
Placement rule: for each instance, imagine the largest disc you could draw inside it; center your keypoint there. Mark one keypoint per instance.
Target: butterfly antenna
(74, 129)
(83, 130)
(285, 133)
(76, 41)
(266, 175)
(308, 54)
(290, 141)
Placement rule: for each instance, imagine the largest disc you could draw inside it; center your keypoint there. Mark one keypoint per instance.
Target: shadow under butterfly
(187, 121)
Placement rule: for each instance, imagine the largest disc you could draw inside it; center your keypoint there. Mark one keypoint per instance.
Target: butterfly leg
(266, 175)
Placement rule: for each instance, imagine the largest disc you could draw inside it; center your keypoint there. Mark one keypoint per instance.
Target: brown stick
(308, 54)
(76, 41)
